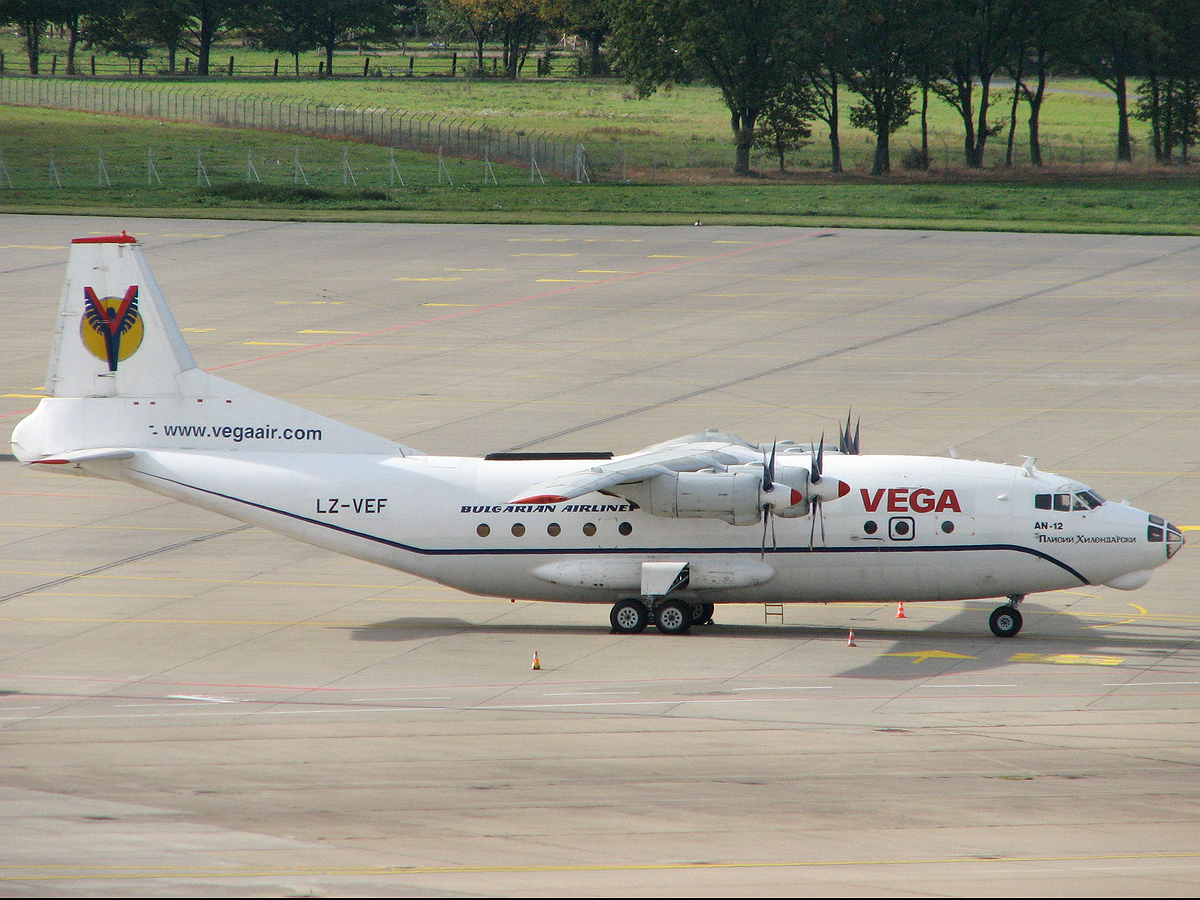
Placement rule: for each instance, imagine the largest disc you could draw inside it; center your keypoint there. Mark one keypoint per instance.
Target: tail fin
(115, 335)
(122, 379)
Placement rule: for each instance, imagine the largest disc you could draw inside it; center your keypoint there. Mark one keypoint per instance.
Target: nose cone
(1151, 541)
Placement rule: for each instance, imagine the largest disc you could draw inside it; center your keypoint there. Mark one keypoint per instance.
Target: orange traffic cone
(900, 611)
(850, 643)
(537, 663)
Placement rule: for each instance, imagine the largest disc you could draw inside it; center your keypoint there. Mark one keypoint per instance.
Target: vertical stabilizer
(115, 335)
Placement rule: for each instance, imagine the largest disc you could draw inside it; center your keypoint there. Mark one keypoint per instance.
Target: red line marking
(539, 296)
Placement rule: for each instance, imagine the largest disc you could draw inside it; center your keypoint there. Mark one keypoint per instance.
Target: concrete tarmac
(192, 706)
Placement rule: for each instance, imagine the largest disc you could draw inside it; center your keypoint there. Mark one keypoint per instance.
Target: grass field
(667, 158)
(80, 141)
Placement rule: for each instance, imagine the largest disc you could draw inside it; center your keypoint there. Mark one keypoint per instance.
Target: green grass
(1131, 201)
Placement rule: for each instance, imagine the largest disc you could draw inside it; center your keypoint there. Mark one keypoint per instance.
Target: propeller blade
(768, 483)
(818, 458)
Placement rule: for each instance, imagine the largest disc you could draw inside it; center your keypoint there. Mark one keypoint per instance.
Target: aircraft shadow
(961, 643)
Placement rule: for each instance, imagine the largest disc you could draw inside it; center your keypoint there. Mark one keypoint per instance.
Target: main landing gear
(673, 616)
(1006, 621)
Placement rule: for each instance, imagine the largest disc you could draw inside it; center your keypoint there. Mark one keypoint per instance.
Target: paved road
(192, 706)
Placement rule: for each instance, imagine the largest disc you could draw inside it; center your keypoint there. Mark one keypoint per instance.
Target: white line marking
(793, 687)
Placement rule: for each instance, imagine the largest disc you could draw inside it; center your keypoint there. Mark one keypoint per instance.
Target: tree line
(779, 65)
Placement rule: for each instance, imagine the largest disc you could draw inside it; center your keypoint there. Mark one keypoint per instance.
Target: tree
(588, 19)
(978, 38)
(746, 48)
(883, 41)
(1108, 38)
(1169, 95)
(785, 122)
(31, 18)
(821, 59)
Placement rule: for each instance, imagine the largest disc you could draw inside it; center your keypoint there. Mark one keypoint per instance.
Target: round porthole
(947, 526)
(870, 527)
(518, 529)
(553, 529)
(589, 529)
(625, 528)
(483, 531)
(902, 528)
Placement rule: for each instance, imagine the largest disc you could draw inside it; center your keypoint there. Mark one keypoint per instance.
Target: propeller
(768, 508)
(848, 443)
(814, 478)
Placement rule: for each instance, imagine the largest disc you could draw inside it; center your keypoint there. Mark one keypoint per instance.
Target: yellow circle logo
(111, 327)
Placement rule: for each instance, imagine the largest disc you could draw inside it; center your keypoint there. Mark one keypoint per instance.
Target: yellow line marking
(1066, 659)
(31, 247)
(1142, 611)
(196, 330)
(21, 872)
(919, 656)
(24, 396)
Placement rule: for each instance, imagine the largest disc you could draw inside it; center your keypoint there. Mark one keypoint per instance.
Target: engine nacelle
(732, 496)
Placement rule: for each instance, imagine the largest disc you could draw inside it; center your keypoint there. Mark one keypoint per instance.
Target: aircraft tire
(629, 616)
(1005, 621)
(673, 617)
(702, 614)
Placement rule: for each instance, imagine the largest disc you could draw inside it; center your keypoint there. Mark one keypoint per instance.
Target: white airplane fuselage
(705, 519)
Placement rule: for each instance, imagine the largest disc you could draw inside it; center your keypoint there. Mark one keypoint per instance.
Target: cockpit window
(1080, 501)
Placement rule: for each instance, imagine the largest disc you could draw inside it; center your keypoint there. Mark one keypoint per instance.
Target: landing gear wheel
(1005, 621)
(702, 614)
(629, 616)
(673, 617)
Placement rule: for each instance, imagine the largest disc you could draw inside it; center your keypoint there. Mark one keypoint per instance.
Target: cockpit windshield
(1068, 501)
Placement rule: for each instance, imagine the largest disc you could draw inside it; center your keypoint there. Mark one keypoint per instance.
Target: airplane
(664, 534)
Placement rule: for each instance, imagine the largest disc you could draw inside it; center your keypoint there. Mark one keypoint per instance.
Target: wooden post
(187, 61)
(276, 72)
(93, 65)
(366, 66)
(411, 60)
(141, 66)
(231, 67)
(454, 64)
(321, 69)
(54, 64)
(1, 62)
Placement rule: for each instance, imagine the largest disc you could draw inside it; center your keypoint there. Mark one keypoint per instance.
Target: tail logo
(111, 328)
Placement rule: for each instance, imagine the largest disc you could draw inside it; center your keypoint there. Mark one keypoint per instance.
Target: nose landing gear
(1006, 621)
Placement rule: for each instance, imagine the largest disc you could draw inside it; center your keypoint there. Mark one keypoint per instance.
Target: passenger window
(1062, 502)
(1042, 501)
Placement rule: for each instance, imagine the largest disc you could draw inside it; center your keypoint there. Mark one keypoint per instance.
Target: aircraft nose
(1161, 531)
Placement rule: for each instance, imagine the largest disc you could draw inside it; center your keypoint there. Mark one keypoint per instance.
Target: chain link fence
(540, 153)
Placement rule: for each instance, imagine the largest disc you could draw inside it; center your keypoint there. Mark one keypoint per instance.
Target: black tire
(702, 614)
(674, 617)
(1005, 621)
(629, 616)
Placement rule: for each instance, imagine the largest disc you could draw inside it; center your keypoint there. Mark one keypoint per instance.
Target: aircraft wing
(694, 453)
(76, 457)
